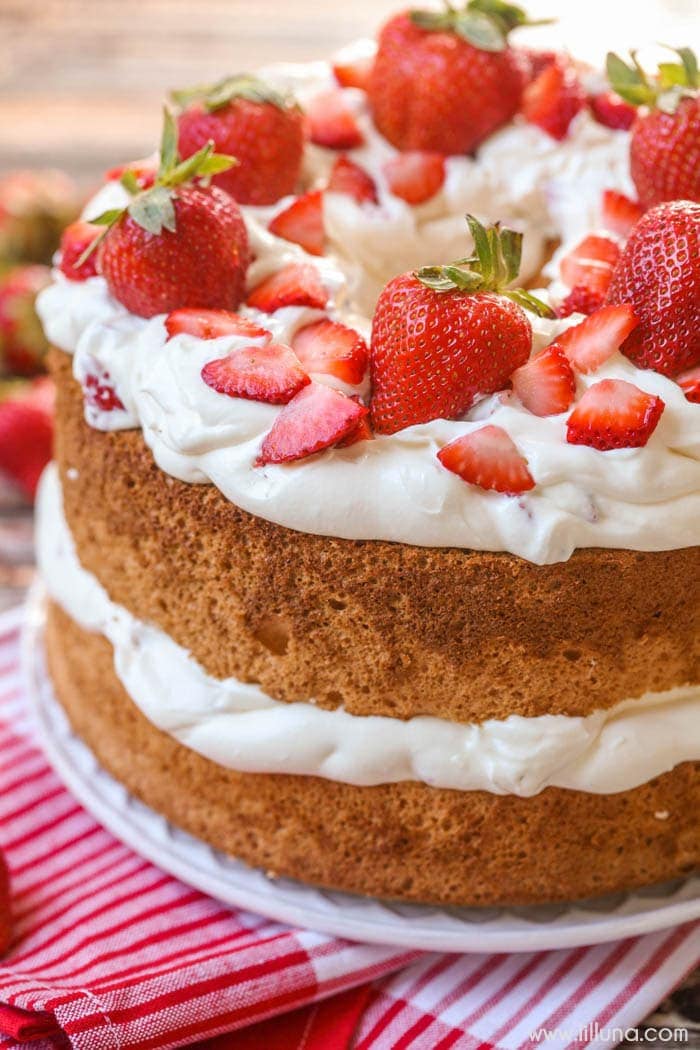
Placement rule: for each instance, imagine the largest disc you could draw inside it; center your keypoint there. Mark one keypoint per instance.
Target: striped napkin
(109, 952)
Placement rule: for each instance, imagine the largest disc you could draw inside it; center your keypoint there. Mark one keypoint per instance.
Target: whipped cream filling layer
(238, 726)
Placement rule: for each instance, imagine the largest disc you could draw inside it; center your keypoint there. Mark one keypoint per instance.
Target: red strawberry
(75, 241)
(263, 129)
(5, 908)
(144, 171)
(415, 176)
(332, 122)
(665, 145)
(353, 72)
(348, 177)
(316, 418)
(612, 111)
(580, 300)
(554, 98)
(269, 373)
(211, 324)
(589, 344)
(445, 335)
(362, 432)
(298, 284)
(614, 414)
(332, 349)
(302, 223)
(689, 383)
(620, 214)
(22, 340)
(537, 61)
(590, 264)
(177, 244)
(659, 275)
(488, 458)
(443, 81)
(26, 435)
(546, 384)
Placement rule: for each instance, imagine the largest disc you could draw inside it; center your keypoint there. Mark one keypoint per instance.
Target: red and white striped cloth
(110, 953)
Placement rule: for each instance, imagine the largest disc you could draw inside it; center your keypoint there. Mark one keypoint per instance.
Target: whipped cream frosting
(240, 727)
(393, 487)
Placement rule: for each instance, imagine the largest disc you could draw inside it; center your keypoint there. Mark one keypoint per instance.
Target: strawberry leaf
(672, 82)
(154, 210)
(168, 144)
(130, 182)
(485, 24)
(241, 86)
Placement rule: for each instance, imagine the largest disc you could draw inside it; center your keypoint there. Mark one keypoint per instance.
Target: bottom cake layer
(403, 840)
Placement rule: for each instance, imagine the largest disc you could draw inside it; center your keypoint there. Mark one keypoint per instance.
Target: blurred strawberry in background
(26, 431)
(22, 341)
(34, 208)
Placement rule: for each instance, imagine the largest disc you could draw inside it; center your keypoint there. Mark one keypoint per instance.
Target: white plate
(341, 914)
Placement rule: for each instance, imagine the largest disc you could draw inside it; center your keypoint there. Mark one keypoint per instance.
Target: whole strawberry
(445, 81)
(26, 433)
(262, 128)
(658, 274)
(444, 335)
(179, 243)
(22, 340)
(665, 143)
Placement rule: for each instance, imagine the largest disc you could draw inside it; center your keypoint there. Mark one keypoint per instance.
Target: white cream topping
(394, 488)
(239, 726)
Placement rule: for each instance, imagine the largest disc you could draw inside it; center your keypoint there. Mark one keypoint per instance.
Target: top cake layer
(393, 487)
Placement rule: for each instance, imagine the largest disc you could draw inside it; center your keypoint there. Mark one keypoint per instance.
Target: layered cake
(371, 543)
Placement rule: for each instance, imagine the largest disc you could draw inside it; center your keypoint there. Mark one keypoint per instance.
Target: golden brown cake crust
(381, 628)
(403, 840)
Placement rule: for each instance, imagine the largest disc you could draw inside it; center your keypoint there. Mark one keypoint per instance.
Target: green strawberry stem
(153, 208)
(672, 82)
(483, 23)
(241, 85)
(493, 267)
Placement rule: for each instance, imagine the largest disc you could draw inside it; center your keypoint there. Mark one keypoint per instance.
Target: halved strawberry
(26, 435)
(488, 458)
(614, 414)
(332, 122)
(590, 264)
(316, 418)
(620, 213)
(353, 72)
(270, 373)
(415, 176)
(211, 324)
(689, 382)
(348, 177)
(298, 284)
(581, 300)
(612, 111)
(302, 223)
(362, 432)
(333, 349)
(546, 384)
(588, 344)
(75, 240)
(553, 98)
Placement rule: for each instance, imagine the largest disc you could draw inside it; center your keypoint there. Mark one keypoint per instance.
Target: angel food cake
(371, 568)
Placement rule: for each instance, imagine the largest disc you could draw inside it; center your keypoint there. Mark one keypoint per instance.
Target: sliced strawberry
(590, 264)
(362, 432)
(537, 60)
(298, 284)
(415, 176)
(26, 439)
(614, 414)
(348, 177)
(589, 344)
(211, 324)
(689, 382)
(332, 123)
(75, 240)
(332, 349)
(581, 300)
(269, 373)
(316, 418)
(488, 457)
(620, 213)
(546, 384)
(353, 72)
(302, 223)
(553, 99)
(612, 111)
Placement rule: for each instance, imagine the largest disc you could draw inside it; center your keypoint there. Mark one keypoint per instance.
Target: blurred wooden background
(81, 80)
